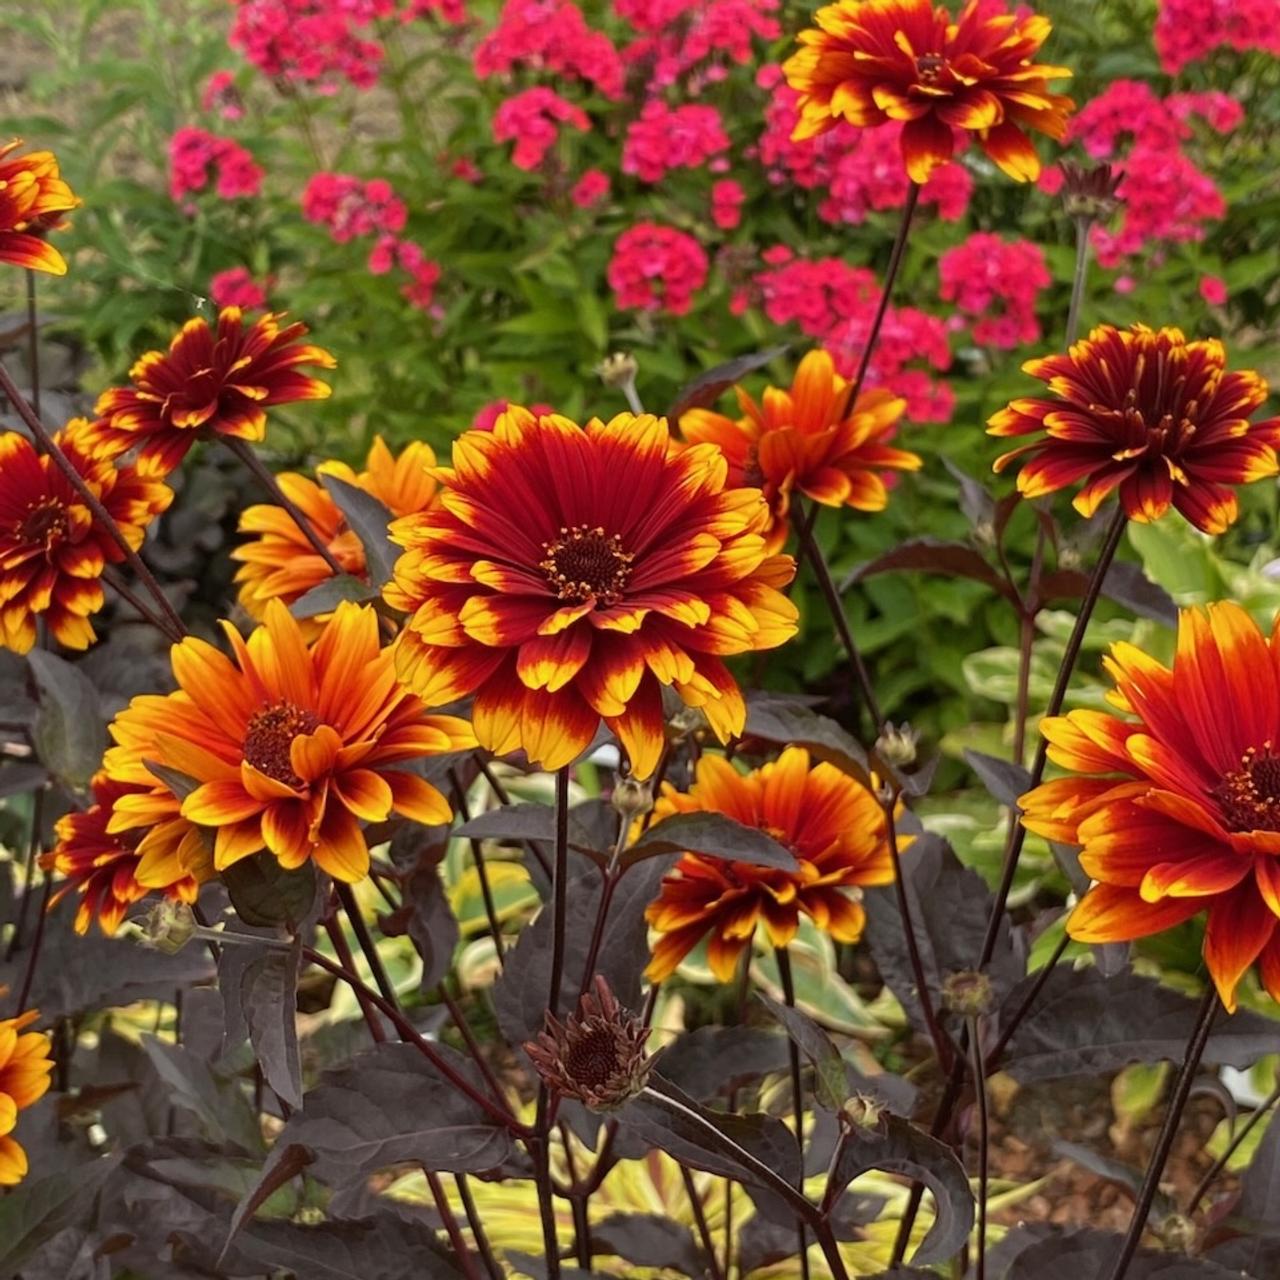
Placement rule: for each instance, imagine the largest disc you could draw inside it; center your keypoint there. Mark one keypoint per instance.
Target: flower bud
(632, 798)
(1089, 192)
(861, 1112)
(167, 927)
(618, 370)
(897, 745)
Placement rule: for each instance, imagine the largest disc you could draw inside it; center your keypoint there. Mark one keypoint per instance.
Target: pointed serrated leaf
(712, 835)
(369, 520)
(269, 999)
(70, 731)
(326, 596)
(830, 1087)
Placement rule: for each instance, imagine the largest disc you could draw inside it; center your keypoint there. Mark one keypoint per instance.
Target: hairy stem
(984, 1140)
(339, 942)
(175, 628)
(1168, 1131)
(890, 276)
(783, 957)
(700, 1221)
(478, 1234)
(29, 975)
(482, 870)
(1017, 832)
(255, 466)
(834, 606)
(1078, 278)
(1026, 643)
(559, 889)
(451, 1228)
(539, 1150)
(941, 1044)
(33, 342)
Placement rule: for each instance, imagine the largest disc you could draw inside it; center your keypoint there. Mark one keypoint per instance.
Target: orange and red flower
(1150, 414)
(869, 61)
(52, 553)
(290, 745)
(279, 562)
(211, 382)
(111, 866)
(33, 198)
(799, 440)
(568, 573)
(833, 826)
(1178, 811)
(25, 1067)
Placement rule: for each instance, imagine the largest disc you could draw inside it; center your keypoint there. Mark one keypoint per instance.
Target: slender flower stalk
(457, 1244)
(984, 1139)
(463, 809)
(1177, 1102)
(783, 957)
(33, 342)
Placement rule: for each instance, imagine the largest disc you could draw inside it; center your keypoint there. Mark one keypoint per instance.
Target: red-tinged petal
(555, 728)
(340, 847)
(1205, 875)
(1012, 150)
(1108, 913)
(641, 728)
(217, 804)
(415, 798)
(551, 662)
(1240, 926)
(286, 832)
(364, 792)
(926, 144)
(312, 755)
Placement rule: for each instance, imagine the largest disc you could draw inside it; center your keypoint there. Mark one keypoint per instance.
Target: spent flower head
(597, 1054)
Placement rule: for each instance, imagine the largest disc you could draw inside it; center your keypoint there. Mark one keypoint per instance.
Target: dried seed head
(596, 1055)
(1177, 1233)
(1089, 192)
(967, 994)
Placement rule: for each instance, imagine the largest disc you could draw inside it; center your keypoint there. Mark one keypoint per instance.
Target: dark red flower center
(1249, 797)
(591, 1059)
(930, 66)
(45, 522)
(270, 735)
(587, 564)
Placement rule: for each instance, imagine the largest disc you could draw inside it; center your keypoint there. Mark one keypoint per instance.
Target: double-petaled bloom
(278, 561)
(1149, 414)
(806, 439)
(1176, 806)
(112, 855)
(52, 551)
(831, 823)
(567, 574)
(869, 61)
(213, 381)
(289, 746)
(33, 198)
(25, 1067)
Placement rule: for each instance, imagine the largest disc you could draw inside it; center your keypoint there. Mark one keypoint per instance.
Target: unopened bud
(984, 533)
(861, 1112)
(1089, 193)
(897, 745)
(618, 370)
(632, 798)
(1069, 557)
(967, 994)
(688, 721)
(1177, 1232)
(167, 927)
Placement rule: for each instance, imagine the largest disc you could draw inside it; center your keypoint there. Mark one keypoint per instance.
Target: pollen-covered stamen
(270, 735)
(929, 67)
(45, 522)
(1249, 797)
(585, 563)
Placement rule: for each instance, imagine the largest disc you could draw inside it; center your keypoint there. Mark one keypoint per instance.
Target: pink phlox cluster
(693, 39)
(727, 199)
(996, 284)
(453, 12)
(196, 156)
(424, 273)
(656, 268)
(665, 138)
(550, 36)
(859, 169)
(590, 189)
(237, 288)
(1188, 30)
(351, 207)
(221, 97)
(317, 43)
(488, 415)
(532, 120)
(834, 302)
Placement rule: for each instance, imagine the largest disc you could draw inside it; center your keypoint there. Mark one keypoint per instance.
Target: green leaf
(713, 835)
(368, 519)
(267, 895)
(70, 733)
